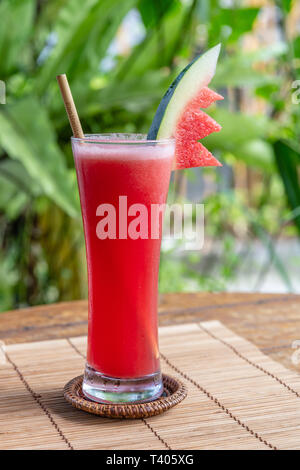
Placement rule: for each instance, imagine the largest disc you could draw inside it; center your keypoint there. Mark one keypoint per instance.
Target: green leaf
(137, 92)
(17, 188)
(267, 91)
(48, 14)
(152, 12)
(237, 128)
(286, 5)
(157, 49)
(248, 144)
(296, 46)
(101, 35)
(239, 69)
(26, 135)
(256, 153)
(84, 31)
(15, 172)
(12, 198)
(288, 160)
(68, 30)
(16, 27)
(131, 95)
(230, 23)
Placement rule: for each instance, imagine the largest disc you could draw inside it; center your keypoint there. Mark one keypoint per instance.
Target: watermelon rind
(184, 88)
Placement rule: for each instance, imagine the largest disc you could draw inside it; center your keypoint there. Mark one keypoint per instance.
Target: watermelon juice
(114, 173)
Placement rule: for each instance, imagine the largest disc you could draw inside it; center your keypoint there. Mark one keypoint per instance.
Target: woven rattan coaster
(174, 392)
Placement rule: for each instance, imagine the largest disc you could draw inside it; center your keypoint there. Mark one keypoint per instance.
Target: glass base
(103, 389)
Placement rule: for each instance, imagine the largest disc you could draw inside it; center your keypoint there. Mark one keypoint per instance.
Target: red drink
(122, 271)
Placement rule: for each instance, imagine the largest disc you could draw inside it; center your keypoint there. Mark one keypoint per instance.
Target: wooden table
(271, 321)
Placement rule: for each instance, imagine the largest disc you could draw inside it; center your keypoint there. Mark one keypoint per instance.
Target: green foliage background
(42, 250)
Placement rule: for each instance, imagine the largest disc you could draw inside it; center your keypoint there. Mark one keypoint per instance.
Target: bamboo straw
(70, 106)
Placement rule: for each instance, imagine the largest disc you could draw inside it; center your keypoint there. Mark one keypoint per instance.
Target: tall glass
(121, 178)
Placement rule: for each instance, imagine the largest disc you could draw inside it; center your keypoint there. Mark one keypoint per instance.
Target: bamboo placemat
(238, 398)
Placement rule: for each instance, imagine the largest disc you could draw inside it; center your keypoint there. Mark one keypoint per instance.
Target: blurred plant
(41, 240)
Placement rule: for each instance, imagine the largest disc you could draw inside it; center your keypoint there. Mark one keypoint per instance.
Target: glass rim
(132, 139)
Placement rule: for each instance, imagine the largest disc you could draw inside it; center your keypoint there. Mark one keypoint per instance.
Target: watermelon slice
(179, 115)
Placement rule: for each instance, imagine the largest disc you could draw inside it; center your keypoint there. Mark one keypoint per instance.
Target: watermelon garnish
(179, 115)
